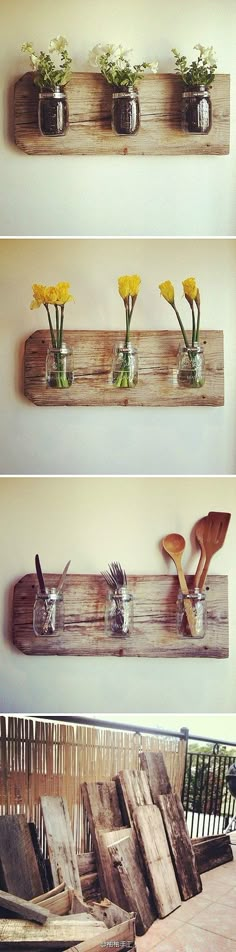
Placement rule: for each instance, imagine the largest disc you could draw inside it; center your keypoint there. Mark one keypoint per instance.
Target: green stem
(193, 325)
(57, 325)
(198, 321)
(181, 326)
(53, 339)
(127, 321)
(61, 327)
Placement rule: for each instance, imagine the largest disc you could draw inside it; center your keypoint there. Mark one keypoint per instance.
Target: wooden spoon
(214, 536)
(174, 544)
(199, 533)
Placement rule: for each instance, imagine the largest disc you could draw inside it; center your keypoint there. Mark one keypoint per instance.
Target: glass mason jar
(191, 366)
(125, 366)
(196, 110)
(119, 612)
(125, 114)
(48, 613)
(60, 367)
(53, 112)
(198, 602)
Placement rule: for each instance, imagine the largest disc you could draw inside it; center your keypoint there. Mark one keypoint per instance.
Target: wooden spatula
(174, 544)
(214, 533)
(199, 533)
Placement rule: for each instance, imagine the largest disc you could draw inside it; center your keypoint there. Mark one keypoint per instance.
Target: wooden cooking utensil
(174, 544)
(199, 533)
(214, 536)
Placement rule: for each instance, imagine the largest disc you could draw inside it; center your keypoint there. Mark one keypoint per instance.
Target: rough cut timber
(132, 888)
(58, 901)
(133, 791)
(39, 856)
(170, 805)
(89, 133)
(103, 812)
(22, 908)
(154, 847)
(121, 937)
(104, 911)
(157, 383)
(212, 851)
(19, 872)
(57, 933)
(111, 879)
(61, 848)
(154, 634)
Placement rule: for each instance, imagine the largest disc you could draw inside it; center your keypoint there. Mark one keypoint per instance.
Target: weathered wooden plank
(103, 811)
(89, 97)
(157, 383)
(57, 933)
(19, 872)
(132, 887)
(122, 937)
(39, 856)
(90, 887)
(86, 863)
(61, 848)
(22, 908)
(170, 805)
(154, 633)
(104, 911)
(154, 847)
(58, 903)
(133, 791)
(212, 851)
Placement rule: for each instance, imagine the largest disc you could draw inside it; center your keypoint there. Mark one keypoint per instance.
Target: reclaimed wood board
(157, 384)
(61, 848)
(133, 791)
(22, 908)
(132, 885)
(103, 812)
(19, 874)
(90, 133)
(154, 847)
(212, 851)
(58, 901)
(152, 762)
(154, 634)
(57, 933)
(120, 937)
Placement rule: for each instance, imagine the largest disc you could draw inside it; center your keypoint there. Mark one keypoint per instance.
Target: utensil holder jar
(119, 613)
(48, 613)
(197, 600)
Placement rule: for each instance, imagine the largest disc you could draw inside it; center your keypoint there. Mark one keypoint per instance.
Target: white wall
(104, 440)
(111, 195)
(92, 521)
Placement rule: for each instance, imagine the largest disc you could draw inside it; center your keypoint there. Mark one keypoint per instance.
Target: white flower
(34, 60)
(27, 48)
(58, 44)
(207, 54)
(154, 67)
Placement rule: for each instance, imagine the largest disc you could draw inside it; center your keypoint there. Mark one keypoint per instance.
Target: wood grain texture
(133, 887)
(212, 851)
(103, 812)
(19, 872)
(154, 633)
(154, 847)
(55, 934)
(181, 849)
(61, 848)
(133, 791)
(89, 133)
(122, 937)
(157, 383)
(22, 908)
(153, 763)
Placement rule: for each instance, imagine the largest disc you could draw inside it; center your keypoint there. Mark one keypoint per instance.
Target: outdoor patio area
(206, 923)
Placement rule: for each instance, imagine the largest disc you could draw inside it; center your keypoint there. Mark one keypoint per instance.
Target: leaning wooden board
(132, 890)
(19, 872)
(157, 382)
(133, 791)
(104, 814)
(21, 907)
(169, 803)
(154, 847)
(57, 933)
(89, 133)
(154, 633)
(62, 855)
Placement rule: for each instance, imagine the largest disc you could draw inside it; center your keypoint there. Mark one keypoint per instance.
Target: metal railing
(207, 803)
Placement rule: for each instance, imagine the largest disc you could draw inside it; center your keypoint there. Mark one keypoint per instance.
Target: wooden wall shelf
(89, 133)
(154, 619)
(157, 385)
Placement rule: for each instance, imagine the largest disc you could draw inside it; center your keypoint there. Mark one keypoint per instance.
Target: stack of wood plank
(59, 919)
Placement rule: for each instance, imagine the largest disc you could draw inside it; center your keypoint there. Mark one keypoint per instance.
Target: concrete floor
(206, 923)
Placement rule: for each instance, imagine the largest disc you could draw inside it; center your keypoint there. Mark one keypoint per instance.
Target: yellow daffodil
(39, 296)
(129, 284)
(168, 292)
(63, 295)
(190, 289)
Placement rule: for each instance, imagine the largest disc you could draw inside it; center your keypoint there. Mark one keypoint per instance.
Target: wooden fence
(38, 757)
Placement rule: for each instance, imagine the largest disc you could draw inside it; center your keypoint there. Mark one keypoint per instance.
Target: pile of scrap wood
(143, 862)
(34, 919)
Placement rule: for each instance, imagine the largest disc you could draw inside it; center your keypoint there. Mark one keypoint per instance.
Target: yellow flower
(39, 296)
(190, 289)
(63, 295)
(129, 284)
(168, 292)
(51, 294)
